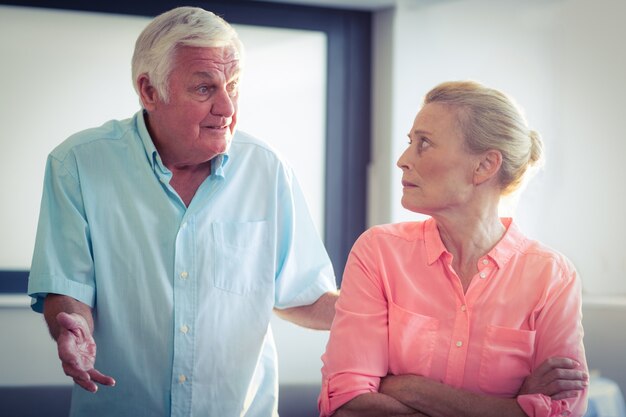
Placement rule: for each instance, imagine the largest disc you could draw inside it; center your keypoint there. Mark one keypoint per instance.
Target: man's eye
(203, 89)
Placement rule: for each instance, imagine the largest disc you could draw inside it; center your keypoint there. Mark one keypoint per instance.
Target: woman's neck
(468, 237)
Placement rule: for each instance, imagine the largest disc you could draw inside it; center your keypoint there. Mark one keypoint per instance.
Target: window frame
(348, 101)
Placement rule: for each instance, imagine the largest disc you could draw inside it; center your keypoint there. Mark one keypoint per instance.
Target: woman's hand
(557, 378)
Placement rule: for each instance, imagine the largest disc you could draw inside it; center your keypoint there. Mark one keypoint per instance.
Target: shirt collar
(432, 240)
(217, 163)
(510, 243)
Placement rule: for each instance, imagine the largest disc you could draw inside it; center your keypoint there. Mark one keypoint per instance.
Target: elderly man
(167, 240)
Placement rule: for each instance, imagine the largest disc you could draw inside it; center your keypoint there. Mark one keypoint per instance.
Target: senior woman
(460, 314)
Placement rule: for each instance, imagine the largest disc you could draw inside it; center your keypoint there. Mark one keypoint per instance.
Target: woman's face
(437, 171)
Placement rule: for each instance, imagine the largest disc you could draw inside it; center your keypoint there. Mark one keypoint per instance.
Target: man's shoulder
(111, 130)
(246, 143)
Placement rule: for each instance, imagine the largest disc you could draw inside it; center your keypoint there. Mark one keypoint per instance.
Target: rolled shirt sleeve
(357, 351)
(539, 405)
(559, 333)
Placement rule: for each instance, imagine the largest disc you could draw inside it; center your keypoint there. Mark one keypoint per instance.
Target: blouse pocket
(412, 338)
(241, 263)
(506, 360)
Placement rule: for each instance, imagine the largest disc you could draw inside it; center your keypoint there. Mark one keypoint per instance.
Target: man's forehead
(223, 53)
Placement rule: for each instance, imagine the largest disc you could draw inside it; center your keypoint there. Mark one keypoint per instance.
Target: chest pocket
(412, 340)
(242, 257)
(506, 360)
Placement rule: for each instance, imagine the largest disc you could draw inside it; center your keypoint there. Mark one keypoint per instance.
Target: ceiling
(343, 4)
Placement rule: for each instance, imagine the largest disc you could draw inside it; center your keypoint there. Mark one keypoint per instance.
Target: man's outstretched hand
(77, 351)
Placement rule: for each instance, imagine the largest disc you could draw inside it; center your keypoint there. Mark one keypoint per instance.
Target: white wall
(564, 63)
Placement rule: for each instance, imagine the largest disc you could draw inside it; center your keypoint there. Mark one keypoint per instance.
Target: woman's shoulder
(540, 248)
(408, 231)
(540, 253)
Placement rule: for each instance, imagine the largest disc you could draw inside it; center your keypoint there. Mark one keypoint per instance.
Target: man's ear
(147, 93)
(488, 166)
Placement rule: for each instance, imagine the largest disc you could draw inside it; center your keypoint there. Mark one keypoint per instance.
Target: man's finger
(87, 385)
(100, 378)
(75, 372)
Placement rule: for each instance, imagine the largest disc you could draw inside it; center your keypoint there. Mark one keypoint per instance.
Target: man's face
(199, 119)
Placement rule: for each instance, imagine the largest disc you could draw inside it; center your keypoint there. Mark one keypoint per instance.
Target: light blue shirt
(182, 296)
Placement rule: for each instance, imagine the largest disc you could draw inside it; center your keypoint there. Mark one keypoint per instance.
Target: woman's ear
(147, 93)
(488, 166)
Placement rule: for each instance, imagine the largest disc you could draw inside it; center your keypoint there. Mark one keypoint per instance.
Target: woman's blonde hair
(183, 26)
(489, 119)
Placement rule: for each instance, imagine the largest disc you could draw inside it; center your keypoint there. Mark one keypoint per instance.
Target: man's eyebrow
(203, 74)
(420, 132)
(208, 75)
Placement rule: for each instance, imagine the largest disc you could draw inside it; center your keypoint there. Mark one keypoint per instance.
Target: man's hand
(557, 378)
(77, 351)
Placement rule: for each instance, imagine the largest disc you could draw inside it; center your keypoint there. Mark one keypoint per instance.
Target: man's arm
(71, 324)
(55, 304)
(318, 316)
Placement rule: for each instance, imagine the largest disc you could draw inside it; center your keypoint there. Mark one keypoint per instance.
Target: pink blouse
(402, 310)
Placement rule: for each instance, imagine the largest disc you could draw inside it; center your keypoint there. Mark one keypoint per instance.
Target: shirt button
(184, 274)
(184, 328)
(463, 308)
(485, 261)
(182, 379)
(483, 275)
(459, 344)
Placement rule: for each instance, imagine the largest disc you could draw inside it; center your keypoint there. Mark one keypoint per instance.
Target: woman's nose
(401, 163)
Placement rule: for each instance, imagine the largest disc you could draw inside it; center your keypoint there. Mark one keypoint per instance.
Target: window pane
(66, 71)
